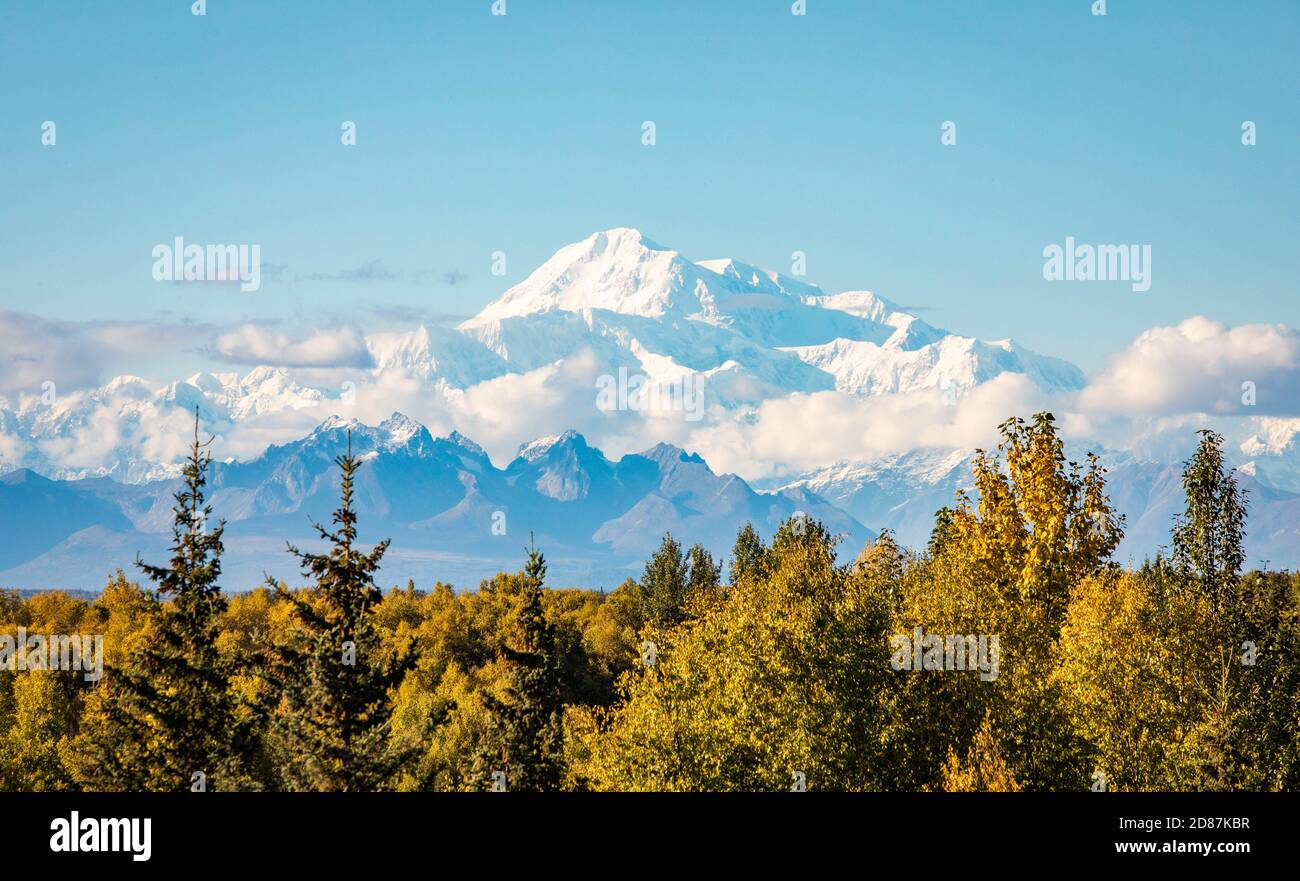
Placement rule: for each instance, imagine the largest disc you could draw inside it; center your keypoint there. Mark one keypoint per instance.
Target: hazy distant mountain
(451, 514)
(37, 514)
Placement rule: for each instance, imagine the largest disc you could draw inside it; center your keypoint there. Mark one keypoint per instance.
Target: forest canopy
(1012, 653)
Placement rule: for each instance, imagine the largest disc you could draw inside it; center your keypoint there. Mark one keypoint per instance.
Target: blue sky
(776, 133)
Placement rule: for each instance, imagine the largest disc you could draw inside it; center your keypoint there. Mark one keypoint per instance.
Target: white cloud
(76, 354)
(253, 344)
(499, 414)
(1200, 366)
(250, 437)
(120, 430)
(12, 452)
(1151, 395)
(804, 431)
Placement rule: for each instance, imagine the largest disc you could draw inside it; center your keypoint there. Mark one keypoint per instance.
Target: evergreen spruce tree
(749, 556)
(168, 720)
(664, 584)
(706, 575)
(333, 681)
(527, 739)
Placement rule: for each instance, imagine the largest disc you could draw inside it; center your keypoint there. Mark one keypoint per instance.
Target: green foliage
(1210, 535)
(779, 679)
(664, 585)
(527, 739)
(1003, 567)
(748, 556)
(168, 719)
(32, 753)
(942, 530)
(705, 581)
(1182, 674)
(332, 678)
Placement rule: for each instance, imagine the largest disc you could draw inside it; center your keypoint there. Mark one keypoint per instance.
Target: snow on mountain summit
(623, 301)
(636, 303)
(622, 271)
(536, 449)
(949, 362)
(400, 428)
(618, 270)
(432, 353)
(761, 281)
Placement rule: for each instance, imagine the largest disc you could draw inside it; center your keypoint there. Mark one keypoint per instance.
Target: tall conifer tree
(706, 575)
(749, 556)
(527, 739)
(168, 720)
(333, 681)
(664, 584)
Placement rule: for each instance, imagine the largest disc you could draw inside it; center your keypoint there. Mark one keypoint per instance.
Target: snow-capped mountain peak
(759, 280)
(866, 304)
(618, 270)
(127, 382)
(624, 272)
(536, 449)
(665, 454)
(337, 423)
(466, 444)
(750, 334)
(401, 429)
(435, 353)
(262, 390)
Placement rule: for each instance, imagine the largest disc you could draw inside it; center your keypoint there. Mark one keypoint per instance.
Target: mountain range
(86, 476)
(451, 514)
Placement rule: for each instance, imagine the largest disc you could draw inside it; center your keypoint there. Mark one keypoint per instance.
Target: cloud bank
(253, 344)
(1167, 381)
(1201, 366)
(78, 354)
